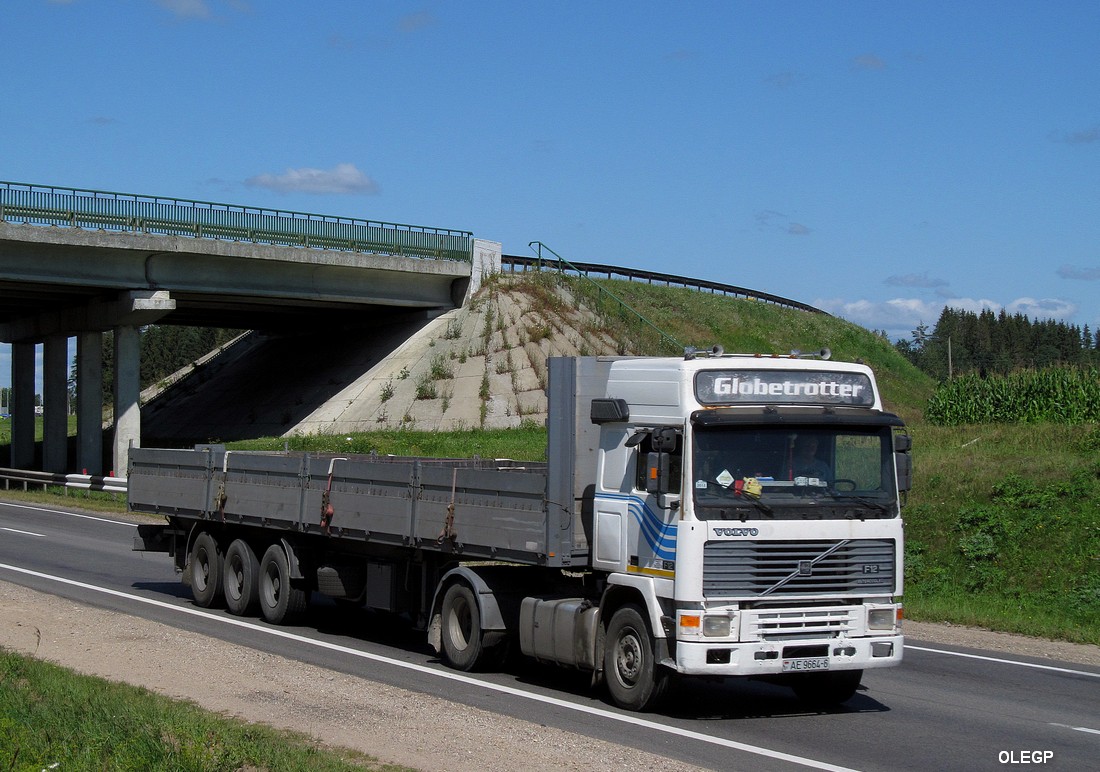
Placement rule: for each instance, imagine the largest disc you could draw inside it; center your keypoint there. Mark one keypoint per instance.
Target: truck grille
(795, 624)
(769, 569)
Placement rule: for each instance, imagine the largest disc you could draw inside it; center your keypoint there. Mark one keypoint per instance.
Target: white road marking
(449, 675)
(1077, 728)
(1005, 661)
(25, 533)
(63, 512)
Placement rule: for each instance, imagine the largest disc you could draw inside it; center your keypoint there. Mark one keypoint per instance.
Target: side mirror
(903, 463)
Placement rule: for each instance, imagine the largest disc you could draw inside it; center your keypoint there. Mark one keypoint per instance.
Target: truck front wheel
(205, 570)
(634, 679)
(280, 601)
(461, 632)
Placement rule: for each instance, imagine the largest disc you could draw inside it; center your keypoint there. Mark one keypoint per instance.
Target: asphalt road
(945, 708)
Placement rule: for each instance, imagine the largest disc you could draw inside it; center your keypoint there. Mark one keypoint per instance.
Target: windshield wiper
(835, 496)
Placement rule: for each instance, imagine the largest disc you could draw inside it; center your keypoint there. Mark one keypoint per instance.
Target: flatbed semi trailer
(670, 531)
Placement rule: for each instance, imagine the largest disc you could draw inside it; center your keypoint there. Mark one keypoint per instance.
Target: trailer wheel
(462, 642)
(824, 690)
(205, 570)
(634, 679)
(241, 578)
(280, 601)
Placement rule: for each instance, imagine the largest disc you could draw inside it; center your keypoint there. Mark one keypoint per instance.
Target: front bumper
(720, 658)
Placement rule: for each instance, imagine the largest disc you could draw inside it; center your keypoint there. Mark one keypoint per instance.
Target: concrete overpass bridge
(79, 263)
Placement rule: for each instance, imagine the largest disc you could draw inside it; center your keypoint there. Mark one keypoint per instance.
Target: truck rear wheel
(205, 570)
(462, 643)
(241, 578)
(280, 601)
(634, 679)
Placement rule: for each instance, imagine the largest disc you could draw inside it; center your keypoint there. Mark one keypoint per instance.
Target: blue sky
(879, 160)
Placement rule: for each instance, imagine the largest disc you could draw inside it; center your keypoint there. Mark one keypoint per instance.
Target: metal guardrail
(102, 210)
(78, 482)
(522, 263)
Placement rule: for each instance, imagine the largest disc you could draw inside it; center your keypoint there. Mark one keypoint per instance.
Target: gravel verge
(393, 725)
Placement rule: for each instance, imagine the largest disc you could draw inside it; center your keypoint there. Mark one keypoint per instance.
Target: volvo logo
(736, 531)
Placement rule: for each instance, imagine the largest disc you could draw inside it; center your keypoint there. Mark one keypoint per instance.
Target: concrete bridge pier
(89, 402)
(127, 396)
(55, 404)
(22, 405)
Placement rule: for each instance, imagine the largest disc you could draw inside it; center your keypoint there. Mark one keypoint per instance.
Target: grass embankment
(51, 718)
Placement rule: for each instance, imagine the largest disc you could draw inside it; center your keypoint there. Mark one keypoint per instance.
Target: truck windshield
(793, 472)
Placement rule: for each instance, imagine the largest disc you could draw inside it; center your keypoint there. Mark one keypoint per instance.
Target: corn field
(1069, 395)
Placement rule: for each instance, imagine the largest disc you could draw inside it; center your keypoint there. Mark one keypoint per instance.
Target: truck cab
(752, 505)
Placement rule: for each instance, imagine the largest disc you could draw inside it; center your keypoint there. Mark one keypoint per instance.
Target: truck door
(636, 524)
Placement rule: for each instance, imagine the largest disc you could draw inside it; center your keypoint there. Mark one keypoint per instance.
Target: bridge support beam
(127, 396)
(89, 402)
(55, 404)
(22, 405)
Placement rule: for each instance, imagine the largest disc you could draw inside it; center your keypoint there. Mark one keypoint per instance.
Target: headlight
(716, 626)
(882, 618)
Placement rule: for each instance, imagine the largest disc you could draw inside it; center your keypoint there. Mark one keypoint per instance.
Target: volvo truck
(709, 515)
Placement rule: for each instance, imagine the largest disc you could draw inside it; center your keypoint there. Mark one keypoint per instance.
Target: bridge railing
(96, 209)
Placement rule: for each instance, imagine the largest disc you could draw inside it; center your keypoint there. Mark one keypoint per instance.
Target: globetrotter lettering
(730, 386)
(777, 387)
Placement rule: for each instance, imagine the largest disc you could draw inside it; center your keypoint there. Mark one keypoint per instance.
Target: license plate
(813, 663)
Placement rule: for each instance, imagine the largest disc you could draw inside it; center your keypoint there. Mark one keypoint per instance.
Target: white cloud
(342, 178)
(1043, 308)
(898, 316)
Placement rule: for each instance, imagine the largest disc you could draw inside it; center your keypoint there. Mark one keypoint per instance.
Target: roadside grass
(1003, 528)
(52, 718)
(59, 496)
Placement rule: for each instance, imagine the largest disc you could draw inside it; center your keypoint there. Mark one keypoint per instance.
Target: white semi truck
(711, 515)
